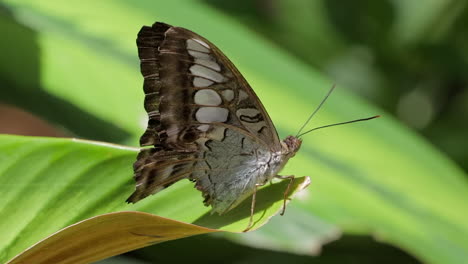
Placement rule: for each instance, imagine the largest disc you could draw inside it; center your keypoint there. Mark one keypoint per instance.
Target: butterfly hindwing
(229, 170)
(156, 169)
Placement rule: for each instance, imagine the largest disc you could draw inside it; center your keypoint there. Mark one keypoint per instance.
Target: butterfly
(206, 123)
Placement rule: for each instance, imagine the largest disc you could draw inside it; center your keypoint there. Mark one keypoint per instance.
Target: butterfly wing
(188, 82)
(205, 121)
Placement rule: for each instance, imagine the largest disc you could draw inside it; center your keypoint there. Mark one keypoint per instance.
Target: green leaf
(376, 178)
(48, 184)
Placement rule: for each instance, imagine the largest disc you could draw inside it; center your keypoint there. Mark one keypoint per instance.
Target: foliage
(81, 71)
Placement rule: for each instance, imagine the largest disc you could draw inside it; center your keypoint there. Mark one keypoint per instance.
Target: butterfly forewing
(188, 83)
(205, 122)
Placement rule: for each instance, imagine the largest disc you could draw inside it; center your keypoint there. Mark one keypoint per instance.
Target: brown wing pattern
(170, 61)
(156, 169)
(193, 93)
(148, 42)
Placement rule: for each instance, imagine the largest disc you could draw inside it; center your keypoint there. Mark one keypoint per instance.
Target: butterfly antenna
(316, 110)
(337, 124)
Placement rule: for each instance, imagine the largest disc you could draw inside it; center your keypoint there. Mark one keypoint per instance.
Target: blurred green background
(74, 66)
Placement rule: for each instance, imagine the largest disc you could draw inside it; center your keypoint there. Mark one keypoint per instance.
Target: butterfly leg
(252, 207)
(286, 192)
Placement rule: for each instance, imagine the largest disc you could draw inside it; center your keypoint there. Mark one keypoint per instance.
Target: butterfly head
(291, 145)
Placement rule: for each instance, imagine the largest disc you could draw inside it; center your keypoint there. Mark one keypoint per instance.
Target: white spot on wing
(208, 63)
(199, 55)
(203, 43)
(207, 97)
(242, 96)
(198, 45)
(228, 94)
(207, 73)
(201, 82)
(211, 114)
